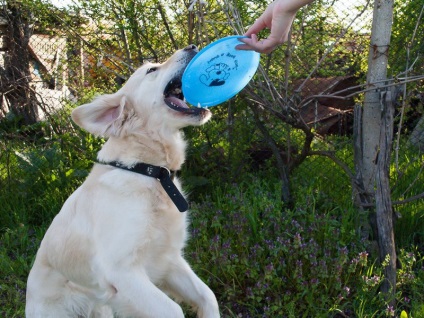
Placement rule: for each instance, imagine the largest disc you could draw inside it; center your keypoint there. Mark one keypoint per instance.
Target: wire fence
(53, 58)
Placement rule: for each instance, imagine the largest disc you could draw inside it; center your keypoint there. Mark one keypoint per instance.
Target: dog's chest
(160, 245)
(129, 220)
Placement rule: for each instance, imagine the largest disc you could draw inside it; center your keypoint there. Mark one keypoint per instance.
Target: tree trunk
(377, 134)
(16, 76)
(377, 73)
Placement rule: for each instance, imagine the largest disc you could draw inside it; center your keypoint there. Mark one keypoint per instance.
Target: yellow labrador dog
(115, 248)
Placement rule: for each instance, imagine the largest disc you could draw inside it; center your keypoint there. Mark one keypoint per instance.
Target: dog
(115, 248)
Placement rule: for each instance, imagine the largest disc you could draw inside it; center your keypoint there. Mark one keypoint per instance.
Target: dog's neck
(157, 150)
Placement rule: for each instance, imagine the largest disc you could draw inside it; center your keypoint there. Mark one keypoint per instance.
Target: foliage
(407, 37)
(53, 164)
(406, 182)
(270, 262)
(18, 246)
(266, 262)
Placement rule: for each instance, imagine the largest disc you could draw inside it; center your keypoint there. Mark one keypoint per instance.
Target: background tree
(15, 74)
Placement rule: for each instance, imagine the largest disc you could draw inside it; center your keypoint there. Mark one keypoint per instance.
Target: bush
(265, 262)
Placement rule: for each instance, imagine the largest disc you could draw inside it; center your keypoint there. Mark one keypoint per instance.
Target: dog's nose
(191, 47)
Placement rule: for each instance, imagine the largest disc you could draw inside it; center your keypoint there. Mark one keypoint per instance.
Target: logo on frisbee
(216, 75)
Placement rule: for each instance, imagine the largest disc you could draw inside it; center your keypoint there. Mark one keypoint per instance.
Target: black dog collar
(164, 175)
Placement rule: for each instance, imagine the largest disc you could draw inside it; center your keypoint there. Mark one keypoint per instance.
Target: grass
(17, 249)
(266, 262)
(260, 260)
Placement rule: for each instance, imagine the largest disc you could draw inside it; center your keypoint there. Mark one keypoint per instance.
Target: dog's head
(152, 97)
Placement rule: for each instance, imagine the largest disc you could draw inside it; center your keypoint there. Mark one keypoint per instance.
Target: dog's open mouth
(174, 98)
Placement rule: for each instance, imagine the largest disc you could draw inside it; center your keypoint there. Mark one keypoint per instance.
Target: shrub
(263, 261)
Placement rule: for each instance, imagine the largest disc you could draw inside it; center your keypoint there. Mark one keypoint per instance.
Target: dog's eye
(151, 70)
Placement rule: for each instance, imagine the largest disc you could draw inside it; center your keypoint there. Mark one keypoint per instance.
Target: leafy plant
(267, 262)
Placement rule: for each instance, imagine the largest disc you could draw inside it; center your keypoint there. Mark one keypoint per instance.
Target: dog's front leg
(183, 283)
(137, 296)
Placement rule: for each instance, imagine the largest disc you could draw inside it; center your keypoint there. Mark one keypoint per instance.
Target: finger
(249, 39)
(244, 47)
(256, 27)
(248, 43)
(263, 46)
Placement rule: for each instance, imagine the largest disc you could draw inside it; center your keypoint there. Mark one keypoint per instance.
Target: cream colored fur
(115, 248)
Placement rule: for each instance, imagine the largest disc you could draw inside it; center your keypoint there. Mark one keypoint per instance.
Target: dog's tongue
(176, 102)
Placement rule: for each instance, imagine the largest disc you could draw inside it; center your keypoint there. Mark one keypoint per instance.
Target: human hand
(278, 17)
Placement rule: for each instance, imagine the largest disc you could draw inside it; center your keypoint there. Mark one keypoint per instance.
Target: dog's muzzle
(173, 94)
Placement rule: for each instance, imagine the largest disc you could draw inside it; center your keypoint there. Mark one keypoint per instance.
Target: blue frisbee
(218, 72)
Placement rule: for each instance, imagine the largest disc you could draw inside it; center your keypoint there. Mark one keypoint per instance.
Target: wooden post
(384, 208)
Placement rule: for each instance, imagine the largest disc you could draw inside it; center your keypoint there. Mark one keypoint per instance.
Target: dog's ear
(101, 117)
